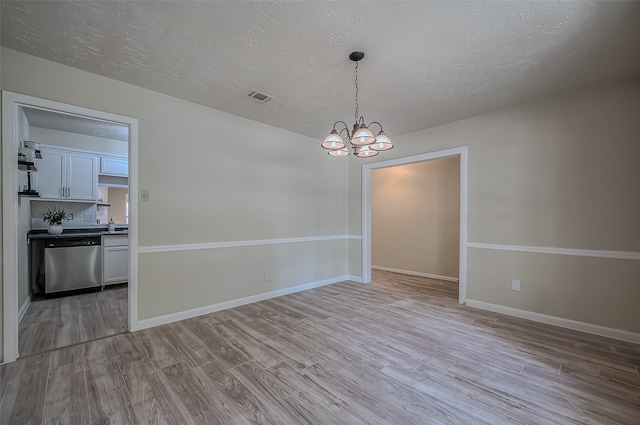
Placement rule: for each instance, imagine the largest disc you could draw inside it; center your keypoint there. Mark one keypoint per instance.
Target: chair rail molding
(619, 255)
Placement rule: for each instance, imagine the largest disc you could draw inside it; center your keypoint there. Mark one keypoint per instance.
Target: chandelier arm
(343, 123)
(379, 125)
(348, 135)
(346, 127)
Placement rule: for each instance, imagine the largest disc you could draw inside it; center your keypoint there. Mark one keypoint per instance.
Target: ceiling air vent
(260, 97)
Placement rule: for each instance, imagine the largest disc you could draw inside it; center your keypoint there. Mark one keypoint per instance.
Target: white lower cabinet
(115, 259)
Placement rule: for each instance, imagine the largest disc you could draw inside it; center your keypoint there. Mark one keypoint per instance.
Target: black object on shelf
(27, 166)
(29, 191)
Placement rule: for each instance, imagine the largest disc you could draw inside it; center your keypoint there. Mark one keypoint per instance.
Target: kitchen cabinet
(115, 259)
(114, 166)
(70, 175)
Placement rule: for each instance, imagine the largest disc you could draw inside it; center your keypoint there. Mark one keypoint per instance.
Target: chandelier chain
(356, 80)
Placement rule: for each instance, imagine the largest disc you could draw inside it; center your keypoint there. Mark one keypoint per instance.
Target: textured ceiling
(427, 63)
(75, 124)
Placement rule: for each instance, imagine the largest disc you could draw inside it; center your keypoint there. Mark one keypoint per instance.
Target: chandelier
(361, 140)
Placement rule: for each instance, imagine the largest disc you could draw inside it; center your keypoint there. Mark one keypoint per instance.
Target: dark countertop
(70, 233)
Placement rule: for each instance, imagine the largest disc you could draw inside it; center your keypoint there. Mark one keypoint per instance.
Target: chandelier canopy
(361, 140)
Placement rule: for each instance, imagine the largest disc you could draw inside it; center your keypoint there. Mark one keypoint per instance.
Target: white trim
(619, 255)
(23, 309)
(10, 104)
(235, 244)
(9, 226)
(354, 237)
(133, 224)
(463, 151)
(558, 321)
(412, 273)
(86, 151)
(366, 225)
(182, 315)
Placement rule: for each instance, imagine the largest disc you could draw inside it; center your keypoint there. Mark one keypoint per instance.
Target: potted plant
(53, 217)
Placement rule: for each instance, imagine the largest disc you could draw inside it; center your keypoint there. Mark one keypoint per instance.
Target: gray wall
(560, 172)
(415, 217)
(213, 177)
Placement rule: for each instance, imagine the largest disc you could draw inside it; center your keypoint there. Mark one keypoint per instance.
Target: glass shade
(362, 136)
(333, 141)
(365, 152)
(382, 142)
(339, 152)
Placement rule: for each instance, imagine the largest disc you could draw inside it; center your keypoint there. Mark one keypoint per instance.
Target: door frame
(366, 209)
(10, 104)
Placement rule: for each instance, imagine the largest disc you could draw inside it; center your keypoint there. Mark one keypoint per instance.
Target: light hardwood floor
(60, 322)
(397, 351)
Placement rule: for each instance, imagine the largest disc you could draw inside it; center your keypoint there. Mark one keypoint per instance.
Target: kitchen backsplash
(84, 214)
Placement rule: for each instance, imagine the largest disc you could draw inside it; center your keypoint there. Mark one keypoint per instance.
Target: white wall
(559, 172)
(77, 209)
(415, 217)
(118, 209)
(212, 177)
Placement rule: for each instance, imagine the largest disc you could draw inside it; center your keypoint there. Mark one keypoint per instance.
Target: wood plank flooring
(64, 321)
(397, 351)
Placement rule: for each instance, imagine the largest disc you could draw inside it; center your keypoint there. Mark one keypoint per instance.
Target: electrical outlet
(268, 275)
(70, 216)
(515, 285)
(88, 218)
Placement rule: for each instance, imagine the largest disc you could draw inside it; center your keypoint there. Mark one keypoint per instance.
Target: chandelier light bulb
(365, 152)
(339, 152)
(382, 143)
(362, 136)
(333, 141)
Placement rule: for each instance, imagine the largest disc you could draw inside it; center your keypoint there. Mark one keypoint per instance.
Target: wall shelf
(79, 201)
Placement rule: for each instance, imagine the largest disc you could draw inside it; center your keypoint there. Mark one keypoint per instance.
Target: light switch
(144, 195)
(515, 284)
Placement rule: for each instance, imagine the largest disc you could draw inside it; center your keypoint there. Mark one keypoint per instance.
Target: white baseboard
(558, 321)
(182, 315)
(412, 273)
(24, 308)
(354, 278)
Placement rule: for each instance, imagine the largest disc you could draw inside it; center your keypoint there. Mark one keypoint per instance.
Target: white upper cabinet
(82, 177)
(52, 173)
(114, 166)
(64, 174)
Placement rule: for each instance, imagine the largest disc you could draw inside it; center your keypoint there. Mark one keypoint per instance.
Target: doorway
(367, 170)
(14, 125)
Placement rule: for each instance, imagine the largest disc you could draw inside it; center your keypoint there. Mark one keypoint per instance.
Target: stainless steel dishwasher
(72, 263)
